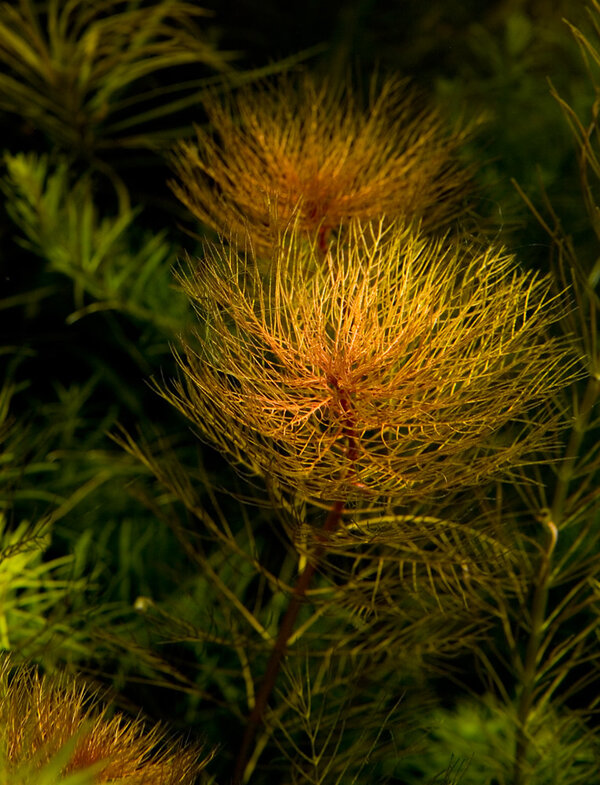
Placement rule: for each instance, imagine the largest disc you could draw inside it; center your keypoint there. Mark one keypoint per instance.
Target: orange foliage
(308, 150)
(393, 367)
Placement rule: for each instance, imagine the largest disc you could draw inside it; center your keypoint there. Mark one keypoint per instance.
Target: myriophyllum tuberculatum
(391, 367)
(300, 147)
(49, 723)
(384, 370)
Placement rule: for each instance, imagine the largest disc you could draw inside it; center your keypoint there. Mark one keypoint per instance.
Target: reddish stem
(279, 649)
(322, 239)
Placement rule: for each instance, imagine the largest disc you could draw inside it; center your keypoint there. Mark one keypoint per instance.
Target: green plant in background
(482, 734)
(109, 260)
(538, 672)
(73, 70)
(547, 606)
(435, 634)
(55, 607)
(70, 535)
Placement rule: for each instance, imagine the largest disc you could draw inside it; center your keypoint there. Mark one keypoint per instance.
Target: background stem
(540, 597)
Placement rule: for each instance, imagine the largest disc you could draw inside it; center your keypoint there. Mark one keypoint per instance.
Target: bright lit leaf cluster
(394, 367)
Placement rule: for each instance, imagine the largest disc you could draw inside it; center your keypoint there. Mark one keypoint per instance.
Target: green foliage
(49, 605)
(79, 71)
(482, 734)
(108, 260)
(503, 78)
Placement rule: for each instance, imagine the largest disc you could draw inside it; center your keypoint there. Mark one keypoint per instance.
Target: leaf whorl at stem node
(306, 149)
(439, 355)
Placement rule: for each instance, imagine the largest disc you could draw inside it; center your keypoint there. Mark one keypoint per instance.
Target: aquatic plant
(400, 581)
(385, 370)
(53, 727)
(305, 149)
(78, 72)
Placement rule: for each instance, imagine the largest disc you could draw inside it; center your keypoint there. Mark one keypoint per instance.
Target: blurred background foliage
(134, 560)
